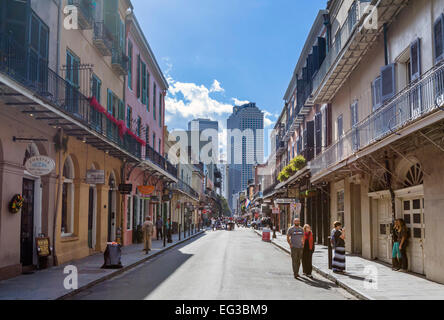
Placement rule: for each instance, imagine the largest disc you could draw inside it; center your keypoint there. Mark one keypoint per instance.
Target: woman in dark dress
(339, 245)
(309, 248)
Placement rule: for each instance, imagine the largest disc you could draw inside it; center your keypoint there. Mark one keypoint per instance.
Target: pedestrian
(307, 255)
(404, 241)
(396, 253)
(339, 246)
(159, 224)
(147, 234)
(295, 237)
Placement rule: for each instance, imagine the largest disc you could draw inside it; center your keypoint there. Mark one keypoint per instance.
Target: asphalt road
(218, 265)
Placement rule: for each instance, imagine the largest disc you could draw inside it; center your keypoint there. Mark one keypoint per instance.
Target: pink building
(146, 88)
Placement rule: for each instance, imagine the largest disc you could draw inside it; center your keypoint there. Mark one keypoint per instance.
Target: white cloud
(216, 87)
(267, 121)
(238, 102)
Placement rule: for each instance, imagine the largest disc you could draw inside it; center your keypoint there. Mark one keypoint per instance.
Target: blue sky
(216, 53)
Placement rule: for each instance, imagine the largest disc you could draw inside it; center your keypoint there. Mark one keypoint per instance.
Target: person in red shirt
(307, 255)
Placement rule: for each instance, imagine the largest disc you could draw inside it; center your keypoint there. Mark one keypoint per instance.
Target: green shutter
(110, 101)
(148, 91)
(143, 83)
(138, 76)
(111, 18)
(121, 110)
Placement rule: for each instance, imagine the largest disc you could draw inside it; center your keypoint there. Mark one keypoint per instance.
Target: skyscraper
(245, 146)
(200, 125)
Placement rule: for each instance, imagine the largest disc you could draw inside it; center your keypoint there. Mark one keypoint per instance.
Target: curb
(327, 275)
(126, 268)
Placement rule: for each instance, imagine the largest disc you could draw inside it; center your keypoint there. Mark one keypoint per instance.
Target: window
(160, 109)
(318, 133)
(121, 110)
(139, 126)
(72, 79)
(160, 146)
(128, 117)
(154, 101)
(352, 16)
(354, 122)
(340, 206)
(67, 227)
(415, 60)
(109, 102)
(340, 127)
(438, 31)
(129, 216)
(144, 93)
(148, 91)
(38, 51)
(96, 86)
(154, 140)
(138, 75)
(376, 93)
(130, 65)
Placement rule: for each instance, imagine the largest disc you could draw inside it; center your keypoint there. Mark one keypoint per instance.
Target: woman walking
(396, 254)
(307, 255)
(339, 245)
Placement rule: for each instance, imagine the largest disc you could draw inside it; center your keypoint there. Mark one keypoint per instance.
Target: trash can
(112, 256)
(266, 235)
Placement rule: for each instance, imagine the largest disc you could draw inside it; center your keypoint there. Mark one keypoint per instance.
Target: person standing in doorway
(159, 224)
(295, 238)
(307, 255)
(339, 246)
(147, 234)
(404, 241)
(396, 253)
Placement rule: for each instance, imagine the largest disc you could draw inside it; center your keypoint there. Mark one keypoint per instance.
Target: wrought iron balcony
(119, 62)
(182, 186)
(48, 86)
(103, 39)
(415, 101)
(156, 158)
(85, 10)
(352, 42)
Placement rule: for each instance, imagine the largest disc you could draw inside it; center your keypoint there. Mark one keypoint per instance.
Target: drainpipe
(386, 44)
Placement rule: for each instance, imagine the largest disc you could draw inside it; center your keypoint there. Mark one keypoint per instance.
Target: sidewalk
(391, 285)
(48, 284)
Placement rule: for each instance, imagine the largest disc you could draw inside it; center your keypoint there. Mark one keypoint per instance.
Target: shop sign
(146, 190)
(276, 210)
(155, 199)
(125, 188)
(40, 165)
(166, 197)
(43, 249)
(95, 177)
(284, 201)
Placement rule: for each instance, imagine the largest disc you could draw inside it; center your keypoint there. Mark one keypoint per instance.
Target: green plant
(298, 163)
(295, 165)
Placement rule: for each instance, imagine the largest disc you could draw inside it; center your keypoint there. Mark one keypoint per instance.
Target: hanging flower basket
(16, 203)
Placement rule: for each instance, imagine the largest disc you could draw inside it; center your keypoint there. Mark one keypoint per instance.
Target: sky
(217, 54)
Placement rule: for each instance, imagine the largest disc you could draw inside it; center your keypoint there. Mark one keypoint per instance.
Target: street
(219, 265)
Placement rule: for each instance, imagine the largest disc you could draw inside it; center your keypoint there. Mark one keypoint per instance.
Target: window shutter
(138, 75)
(340, 126)
(439, 39)
(388, 85)
(354, 114)
(310, 140)
(376, 93)
(121, 110)
(148, 91)
(318, 129)
(110, 101)
(329, 126)
(415, 59)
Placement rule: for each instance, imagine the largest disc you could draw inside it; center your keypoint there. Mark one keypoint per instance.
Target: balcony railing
(182, 186)
(415, 101)
(50, 87)
(85, 11)
(119, 62)
(356, 12)
(159, 160)
(103, 39)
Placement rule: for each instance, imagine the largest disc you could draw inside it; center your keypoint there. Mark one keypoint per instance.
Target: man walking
(295, 238)
(147, 234)
(159, 225)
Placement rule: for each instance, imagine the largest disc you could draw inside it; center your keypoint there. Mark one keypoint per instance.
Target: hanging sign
(155, 199)
(284, 201)
(125, 188)
(146, 190)
(95, 177)
(40, 165)
(276, 210)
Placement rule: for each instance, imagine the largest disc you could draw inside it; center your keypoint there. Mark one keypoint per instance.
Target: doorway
(27, 224)
(92, 218)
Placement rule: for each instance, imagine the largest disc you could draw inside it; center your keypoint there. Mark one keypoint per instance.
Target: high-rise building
(202, 126)
(245, 146)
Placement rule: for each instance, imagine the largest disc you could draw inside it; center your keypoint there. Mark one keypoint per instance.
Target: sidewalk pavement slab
(48, 284)
(389, 284)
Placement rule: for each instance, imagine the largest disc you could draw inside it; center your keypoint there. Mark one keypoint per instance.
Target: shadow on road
(138, 283)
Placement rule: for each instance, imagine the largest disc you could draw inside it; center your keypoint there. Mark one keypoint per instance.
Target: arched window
(68, 198)
(414, 176)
